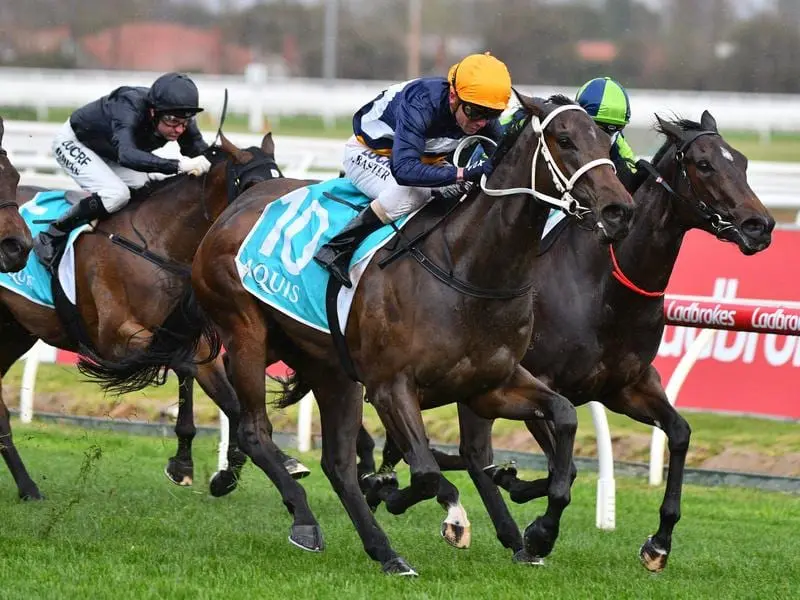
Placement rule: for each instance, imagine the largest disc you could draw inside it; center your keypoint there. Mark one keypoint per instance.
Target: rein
(8, 204)
(566, 203)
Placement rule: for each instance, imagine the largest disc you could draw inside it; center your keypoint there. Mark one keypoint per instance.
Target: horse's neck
(175, 223)
(498, 241)
(648, 254)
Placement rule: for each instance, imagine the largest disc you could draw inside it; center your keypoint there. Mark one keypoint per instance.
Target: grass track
(113, 527)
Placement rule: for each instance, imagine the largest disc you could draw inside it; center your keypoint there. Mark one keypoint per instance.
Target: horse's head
(573, 153)
(239, 169)
(710, 182)
(15, 237)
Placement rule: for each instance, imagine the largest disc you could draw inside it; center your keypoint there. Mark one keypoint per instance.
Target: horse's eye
(704, 166)
(564, 141)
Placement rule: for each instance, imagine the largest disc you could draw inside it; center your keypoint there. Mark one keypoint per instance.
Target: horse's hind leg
(180, 468)
(15, 342)
(521, 490)
(523, 398)
(341, 416)
(646, 402)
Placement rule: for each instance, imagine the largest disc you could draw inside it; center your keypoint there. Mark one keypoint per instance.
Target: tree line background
(671, 44)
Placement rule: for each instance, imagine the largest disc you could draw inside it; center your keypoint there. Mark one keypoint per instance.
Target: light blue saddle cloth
(275, 261)
(33, 282)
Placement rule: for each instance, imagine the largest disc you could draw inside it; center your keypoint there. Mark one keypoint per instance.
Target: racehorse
(127, 290)
(418, 341)
(599, 316)
(15, 245)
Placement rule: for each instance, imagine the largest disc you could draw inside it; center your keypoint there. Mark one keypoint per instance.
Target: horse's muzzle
(14, 253)
(616, 221)
(755, 234)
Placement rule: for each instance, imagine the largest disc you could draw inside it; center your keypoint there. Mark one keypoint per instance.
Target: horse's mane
(684, 124)
(560, 100)
(214, 154)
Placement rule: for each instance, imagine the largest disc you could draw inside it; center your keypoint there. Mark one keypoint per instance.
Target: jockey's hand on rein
(475, 171)
(196, 165)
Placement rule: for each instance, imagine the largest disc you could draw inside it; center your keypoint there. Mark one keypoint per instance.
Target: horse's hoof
(307, 537)
(296, 469)
(653, 558)
(374, 483)
(222, 483)
(399, 566)
(30, 495)
(457, 535)
(180, 472)
(522, 557)
(540, 538)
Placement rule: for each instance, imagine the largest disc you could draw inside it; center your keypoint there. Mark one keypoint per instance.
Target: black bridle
(719, 222)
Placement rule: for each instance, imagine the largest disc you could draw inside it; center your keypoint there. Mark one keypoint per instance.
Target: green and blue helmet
(606, 101)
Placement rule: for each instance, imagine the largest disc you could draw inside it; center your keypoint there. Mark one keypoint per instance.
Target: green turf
(113, 527)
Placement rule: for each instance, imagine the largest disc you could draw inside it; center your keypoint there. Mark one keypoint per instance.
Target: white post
(256, 76)
(304, 423)
(224, 438)
(606, 486)
(32, 360)
(659, 439)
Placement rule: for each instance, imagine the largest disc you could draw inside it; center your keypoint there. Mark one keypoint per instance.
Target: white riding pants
(371, 174)
(107, 179)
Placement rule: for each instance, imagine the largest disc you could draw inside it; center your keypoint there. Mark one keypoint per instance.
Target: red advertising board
(738, 372)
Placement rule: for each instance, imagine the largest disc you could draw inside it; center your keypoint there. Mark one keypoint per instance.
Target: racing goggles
(175, 121)
(476, 112)
(609, 128)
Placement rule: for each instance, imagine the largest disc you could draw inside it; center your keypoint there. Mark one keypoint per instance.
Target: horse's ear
(708, 122)
(670, 129)
(535, 106)
(2, 130)
(267, 144)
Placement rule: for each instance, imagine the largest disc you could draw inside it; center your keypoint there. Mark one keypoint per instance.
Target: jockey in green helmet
(608, 104)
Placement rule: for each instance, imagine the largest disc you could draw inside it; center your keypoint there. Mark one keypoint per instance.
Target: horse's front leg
(398, 408)
(522, 398)
(180, 468)
(646, 402)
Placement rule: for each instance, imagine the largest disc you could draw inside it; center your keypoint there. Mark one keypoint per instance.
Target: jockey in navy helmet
(107, 147)
(400, 141)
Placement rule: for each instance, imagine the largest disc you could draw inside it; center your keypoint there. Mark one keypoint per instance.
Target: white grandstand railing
(257, 94)
(28, 146)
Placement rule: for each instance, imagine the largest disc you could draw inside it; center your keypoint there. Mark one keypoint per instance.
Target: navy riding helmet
(176, 94)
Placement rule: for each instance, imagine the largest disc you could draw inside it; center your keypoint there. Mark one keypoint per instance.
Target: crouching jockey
(396, 155)
(106, 146)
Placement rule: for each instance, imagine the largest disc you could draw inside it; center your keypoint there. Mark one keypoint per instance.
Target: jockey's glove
(475, 171)
(196, 165)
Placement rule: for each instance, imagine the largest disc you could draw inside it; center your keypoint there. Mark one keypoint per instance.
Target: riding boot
(49, 244)
(335, 256)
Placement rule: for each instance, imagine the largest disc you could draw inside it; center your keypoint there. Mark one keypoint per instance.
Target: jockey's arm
(123, 127)
(408, 148)
(192, 142)
(625, 161)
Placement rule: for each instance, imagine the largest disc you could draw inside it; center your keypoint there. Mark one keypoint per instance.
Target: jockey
(607, 103)
(106, 146)
(396, 156)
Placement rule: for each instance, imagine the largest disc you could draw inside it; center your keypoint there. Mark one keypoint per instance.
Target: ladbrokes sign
(742, 372)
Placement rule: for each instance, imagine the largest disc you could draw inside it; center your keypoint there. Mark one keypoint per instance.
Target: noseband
(566, 202)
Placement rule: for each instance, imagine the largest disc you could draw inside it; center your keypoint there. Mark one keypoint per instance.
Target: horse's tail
(293, 388)
(172, 345)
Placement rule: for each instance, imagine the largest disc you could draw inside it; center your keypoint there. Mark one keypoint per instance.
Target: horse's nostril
(756, 227)
(13, 247)
(616, 214)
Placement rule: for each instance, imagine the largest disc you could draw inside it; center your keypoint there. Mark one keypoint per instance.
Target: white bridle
(567, 202)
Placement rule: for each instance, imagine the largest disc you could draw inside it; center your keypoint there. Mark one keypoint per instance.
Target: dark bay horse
(599, 319)
(124, 298)
(419, 342)
(15, 245)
